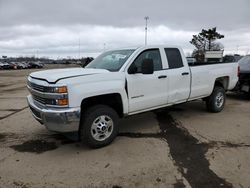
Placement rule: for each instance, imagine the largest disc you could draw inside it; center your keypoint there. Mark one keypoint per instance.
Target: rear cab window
(174, 58)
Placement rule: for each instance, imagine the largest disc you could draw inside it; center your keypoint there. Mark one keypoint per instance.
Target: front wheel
(216, 101)
(99, 126)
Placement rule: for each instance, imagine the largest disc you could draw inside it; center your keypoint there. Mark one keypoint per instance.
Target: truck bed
(203, 77)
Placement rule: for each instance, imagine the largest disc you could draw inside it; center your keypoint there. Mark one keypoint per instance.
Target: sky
(63, 28)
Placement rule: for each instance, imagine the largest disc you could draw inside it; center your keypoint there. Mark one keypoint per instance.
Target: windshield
(111, 60)
(244, 60)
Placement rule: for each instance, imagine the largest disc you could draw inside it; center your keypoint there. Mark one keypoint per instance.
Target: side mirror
(132, 69)
(147, 66)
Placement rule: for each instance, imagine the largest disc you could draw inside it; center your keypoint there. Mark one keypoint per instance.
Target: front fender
(95, 85)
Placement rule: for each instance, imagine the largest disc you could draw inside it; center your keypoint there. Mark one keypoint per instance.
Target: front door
(147, 90)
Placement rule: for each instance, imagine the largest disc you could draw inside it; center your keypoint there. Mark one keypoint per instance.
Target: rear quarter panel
(204, 77)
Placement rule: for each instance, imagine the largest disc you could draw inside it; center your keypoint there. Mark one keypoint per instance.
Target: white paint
(145, 92)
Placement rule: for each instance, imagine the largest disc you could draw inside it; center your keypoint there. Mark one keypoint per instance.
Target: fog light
(62, 102)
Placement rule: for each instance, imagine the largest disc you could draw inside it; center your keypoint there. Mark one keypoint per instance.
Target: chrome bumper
(59, 120)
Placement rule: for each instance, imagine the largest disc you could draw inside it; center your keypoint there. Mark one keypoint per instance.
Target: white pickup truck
(120, 83)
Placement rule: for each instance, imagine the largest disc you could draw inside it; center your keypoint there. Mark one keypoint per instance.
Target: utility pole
(146, 29)
(104, 47)
(79, 48)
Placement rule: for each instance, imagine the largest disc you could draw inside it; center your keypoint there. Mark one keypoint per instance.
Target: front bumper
(59, 120)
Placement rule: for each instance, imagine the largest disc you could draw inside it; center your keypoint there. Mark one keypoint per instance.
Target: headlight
(62, 89)
(59, 89)
(61, 102)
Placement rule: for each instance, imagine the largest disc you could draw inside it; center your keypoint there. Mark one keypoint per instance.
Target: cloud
(54, 27)
(129, 13)
(27, 39)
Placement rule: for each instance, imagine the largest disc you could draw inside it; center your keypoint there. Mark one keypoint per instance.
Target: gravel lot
(181, 146)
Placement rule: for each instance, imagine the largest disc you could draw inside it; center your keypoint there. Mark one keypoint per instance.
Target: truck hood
(54, 75)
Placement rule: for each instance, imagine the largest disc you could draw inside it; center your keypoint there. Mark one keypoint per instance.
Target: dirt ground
(181, 146)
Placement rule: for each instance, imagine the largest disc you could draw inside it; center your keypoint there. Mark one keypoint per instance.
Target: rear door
(178, 76)
(147, 90)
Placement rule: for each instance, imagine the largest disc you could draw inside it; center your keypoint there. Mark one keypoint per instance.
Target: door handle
(185, 73)
(162, 76)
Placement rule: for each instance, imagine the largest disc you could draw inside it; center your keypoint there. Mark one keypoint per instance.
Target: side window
(174, 58)
(153, 54)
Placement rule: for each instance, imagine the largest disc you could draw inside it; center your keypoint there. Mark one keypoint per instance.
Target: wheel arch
(113, 100)
(222, 82)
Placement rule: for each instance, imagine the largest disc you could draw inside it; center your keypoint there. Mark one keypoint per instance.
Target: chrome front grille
(36, 87)
(39, 99)
(45, 94)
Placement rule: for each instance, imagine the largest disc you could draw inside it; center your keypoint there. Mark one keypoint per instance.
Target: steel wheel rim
(219, 99)
(102, 128)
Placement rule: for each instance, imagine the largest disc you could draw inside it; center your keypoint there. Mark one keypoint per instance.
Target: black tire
(216, 101)
(86, 130)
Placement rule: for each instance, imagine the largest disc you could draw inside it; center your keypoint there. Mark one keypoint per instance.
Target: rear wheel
(216, 101)
(99, 126)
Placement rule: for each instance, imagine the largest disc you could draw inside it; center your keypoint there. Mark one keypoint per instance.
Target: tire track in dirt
(14, 112)
(188, 154)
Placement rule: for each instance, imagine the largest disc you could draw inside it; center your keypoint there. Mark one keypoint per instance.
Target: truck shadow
(238, 96)
(136, 126)
(140, 125)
